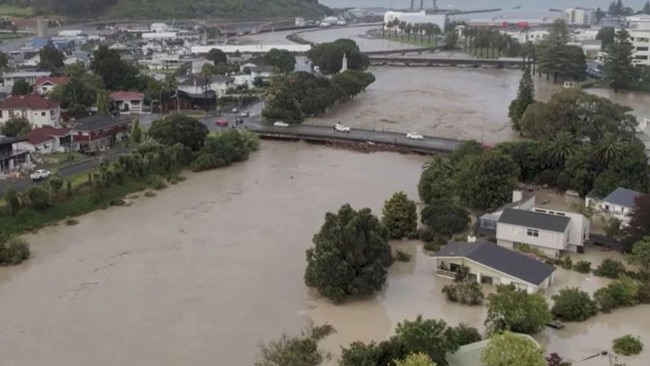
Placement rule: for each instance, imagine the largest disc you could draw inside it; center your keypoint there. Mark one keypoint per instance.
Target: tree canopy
(445, 217)
(16, 127)
(299, 350)
(641, 254)
(350, 255)
(51, 57)
(416, 359)
(515, 310)
(436, 181)
(217, 56)
(618, 68)
(115, 73)
(525, 97)
(400, 216)
(329, 56)
(509, 349)
(557, 57)
(282, 60)
(486, 181)
(179, 129)
(571, 304)
(21, 87)
(639, 225)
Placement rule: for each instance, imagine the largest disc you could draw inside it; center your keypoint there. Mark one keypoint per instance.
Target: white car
(341, 128)
(40, 174)
(244, 114)
(280, 124)
(414, 136)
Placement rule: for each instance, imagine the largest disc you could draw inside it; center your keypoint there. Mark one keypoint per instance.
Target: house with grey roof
(522, 223)
(490, 263)
(618, 203)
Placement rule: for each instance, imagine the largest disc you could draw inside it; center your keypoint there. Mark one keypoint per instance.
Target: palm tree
(428, 30)
(409, 30)
(610, 148)
(559, 149)
(402, 26)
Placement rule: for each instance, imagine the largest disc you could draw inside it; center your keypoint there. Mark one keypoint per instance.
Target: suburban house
(196, 84)
(44, 85)
(128, 102)
(34, 108)
(618, 204)
(96, 132)
(470, 354)
(11, 157)
(28, 76)
(48, 140)
(521, 224)
(492, 264)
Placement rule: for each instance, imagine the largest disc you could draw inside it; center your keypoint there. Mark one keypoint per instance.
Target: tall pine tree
(646, 8)
(619, 71)
(557, 58)
(525, 97)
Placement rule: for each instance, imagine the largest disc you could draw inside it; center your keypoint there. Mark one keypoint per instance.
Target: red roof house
(44, 84)
(34, 108)
(49, 139)
(128, 102)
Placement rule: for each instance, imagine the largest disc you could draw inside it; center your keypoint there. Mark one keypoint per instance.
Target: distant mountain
(169, 9)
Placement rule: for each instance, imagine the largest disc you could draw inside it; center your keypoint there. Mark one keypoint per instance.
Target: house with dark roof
(47, 140)
(489, 263)
(94, 133)
(522, 223)
(34, 108)
(618, 203)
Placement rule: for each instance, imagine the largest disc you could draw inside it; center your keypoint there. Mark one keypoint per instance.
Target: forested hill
(163, 9)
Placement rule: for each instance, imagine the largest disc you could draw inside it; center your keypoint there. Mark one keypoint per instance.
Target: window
(43, 114)
(642, 48)
(532, 232)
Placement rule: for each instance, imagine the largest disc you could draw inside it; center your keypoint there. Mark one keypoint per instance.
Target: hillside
(169, 9)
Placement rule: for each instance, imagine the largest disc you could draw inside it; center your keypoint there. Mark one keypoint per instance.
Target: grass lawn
(16, 11)
(414, 40)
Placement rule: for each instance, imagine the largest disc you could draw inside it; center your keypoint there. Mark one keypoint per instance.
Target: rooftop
(535, 220)
(622, 197)
(501, 259)
(97, 122)
(43, 134)
(54, 80)
(30, 102)
(126, 95)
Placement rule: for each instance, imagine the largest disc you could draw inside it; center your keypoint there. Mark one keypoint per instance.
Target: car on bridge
(414, 136)
(341, 128)
(280, 124)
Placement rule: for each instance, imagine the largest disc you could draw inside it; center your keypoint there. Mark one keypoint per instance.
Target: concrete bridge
(462, 62)
(427, 145)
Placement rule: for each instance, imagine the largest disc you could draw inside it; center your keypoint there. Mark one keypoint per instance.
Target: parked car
(414, 136)
(280, 124)
(222, 122)
(40, 174)
(235, 110)
(341, 128)
(244, 114)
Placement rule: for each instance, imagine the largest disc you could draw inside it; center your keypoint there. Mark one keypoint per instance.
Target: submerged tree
(525, 97)
(400, 216)
(350, 255)
(299, 350)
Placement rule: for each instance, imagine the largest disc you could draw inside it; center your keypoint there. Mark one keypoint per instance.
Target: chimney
(517, 196)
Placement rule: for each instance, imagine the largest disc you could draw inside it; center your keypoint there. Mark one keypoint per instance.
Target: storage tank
(42, 28)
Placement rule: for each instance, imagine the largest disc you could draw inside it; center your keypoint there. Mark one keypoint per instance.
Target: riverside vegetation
(175, 144)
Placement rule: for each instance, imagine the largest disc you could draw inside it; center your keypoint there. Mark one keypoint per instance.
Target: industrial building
(413, 18)
(639, 29)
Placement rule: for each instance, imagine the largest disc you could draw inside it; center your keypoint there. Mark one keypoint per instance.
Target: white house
(618, 204)
(47, 140)
(196, 84)
(579, 16)
(489, 263)
(522, 223)
(34, 108)
(28, 76)
(128, 102)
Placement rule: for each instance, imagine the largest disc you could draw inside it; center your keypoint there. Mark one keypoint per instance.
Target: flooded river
(209, 268)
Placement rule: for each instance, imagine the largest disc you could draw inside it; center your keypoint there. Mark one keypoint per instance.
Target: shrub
(157, 182)
(627, 345)
(431, 246)
(622, 292)
(39, 198)
(401, 256)
(13, 250)
(466, 292)
(56, 183)
(571, 304)
(13, 202)
(582, 266)
(117, 202)
(610, 268)
(566, 262)
(149, 193)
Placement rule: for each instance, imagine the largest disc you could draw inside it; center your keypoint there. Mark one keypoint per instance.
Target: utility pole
(421, 4)
(435, 4)
(412, 4)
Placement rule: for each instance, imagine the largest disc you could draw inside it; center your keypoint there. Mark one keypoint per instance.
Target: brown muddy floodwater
(202, 273)
(450, 102)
